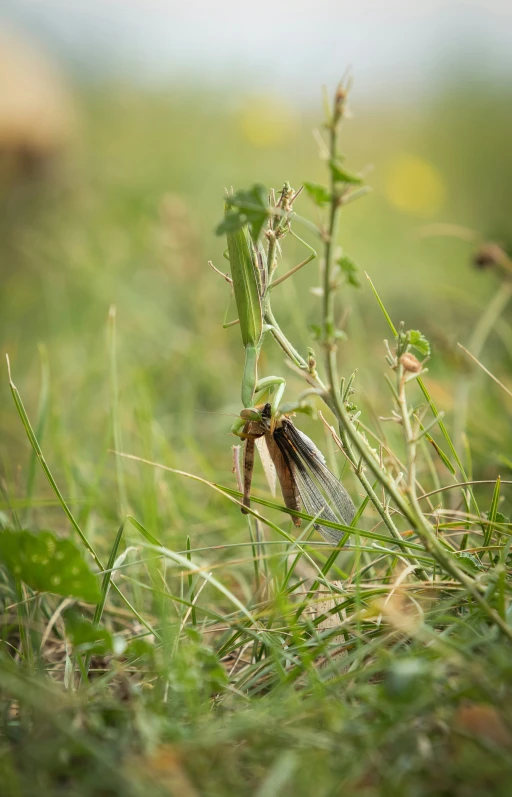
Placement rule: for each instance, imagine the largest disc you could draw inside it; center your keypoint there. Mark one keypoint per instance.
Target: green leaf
(85, 636)
(350, 269)
(315, 331)
(318, 193)
(47, 563)
(469, 562)
(246, 207)
(419, 342)
(341, 175)
(232, 222)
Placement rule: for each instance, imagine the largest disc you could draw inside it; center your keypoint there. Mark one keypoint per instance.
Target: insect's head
(251, 414)
(261, 414)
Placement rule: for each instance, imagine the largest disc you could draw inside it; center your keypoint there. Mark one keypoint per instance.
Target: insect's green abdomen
(246, 288)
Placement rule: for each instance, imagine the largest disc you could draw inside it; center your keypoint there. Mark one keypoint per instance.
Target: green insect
(252, 279)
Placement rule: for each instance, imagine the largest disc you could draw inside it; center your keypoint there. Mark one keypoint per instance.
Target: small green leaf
(469, 562)
(47, 563)
(246, 207)
(419, 342)
(85, 636)
(318, 193)
(315, 331)
(232, 222)
(341, 175)
(350, 270)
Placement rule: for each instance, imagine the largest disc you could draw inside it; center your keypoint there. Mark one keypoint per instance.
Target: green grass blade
(39, 454)
(191, 586)
(114, 409)
(42, 414)
(105, 587)
(493, 512)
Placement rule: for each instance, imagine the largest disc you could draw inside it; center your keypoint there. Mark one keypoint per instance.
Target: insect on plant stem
(303, 475)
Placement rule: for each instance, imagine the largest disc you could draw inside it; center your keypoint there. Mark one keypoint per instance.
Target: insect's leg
(310, 257)
(248, 469)
(250, 378)
(228, 279)
(226, 324)
(264, 387)
(238, 427)
(220, 273)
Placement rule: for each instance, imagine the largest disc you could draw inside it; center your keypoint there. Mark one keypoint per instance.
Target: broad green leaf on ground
(47, 563)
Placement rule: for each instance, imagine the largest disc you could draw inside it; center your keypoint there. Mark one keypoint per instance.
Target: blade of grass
(114, 408)
(493, 511)
(191, 586)
(42, 413)
(39, 454)
(105, 587)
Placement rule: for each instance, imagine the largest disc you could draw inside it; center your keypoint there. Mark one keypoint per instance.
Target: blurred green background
(119, 208)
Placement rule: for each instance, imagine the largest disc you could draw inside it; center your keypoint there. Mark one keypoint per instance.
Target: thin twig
(482, 366)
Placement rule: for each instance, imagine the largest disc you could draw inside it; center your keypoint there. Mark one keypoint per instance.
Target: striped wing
(321, 492)
(289, 486)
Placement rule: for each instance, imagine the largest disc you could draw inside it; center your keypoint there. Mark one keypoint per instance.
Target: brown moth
(303, 475)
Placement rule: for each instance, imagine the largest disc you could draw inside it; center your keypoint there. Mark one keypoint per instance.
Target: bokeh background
(121, 123)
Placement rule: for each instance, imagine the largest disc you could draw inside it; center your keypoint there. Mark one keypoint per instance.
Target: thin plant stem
(475, 345)
(411, 511)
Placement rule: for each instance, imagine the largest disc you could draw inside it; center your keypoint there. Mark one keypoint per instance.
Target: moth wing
(268, 465)
(311, 475)
(289, 487)
(315, 504)
(333, 488)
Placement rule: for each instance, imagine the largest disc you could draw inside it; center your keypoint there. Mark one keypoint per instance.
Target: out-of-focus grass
(128, 222)
(131, 221)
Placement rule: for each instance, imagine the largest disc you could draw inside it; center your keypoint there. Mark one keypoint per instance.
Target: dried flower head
(410, 363)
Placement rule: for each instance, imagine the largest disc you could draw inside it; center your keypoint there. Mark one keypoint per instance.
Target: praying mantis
(252, 277)
(300, 466)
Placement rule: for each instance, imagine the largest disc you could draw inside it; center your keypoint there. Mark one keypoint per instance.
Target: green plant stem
(329, 339)
(414, 515)
(411, 511)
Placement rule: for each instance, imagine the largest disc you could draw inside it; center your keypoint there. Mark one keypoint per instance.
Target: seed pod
(410, 363)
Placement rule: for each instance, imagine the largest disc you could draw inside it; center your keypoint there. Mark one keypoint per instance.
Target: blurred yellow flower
(266, 121)
(414, 185)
